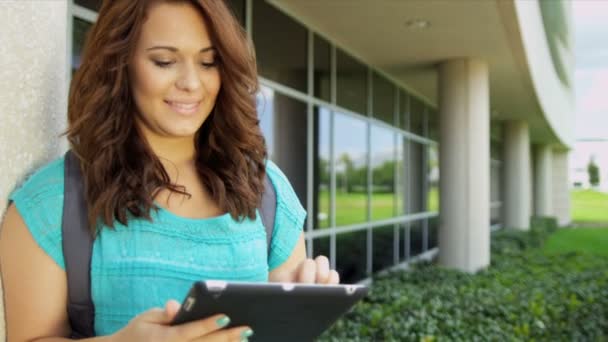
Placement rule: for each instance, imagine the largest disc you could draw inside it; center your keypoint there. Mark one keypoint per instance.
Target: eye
(209, 65)
(163, 64)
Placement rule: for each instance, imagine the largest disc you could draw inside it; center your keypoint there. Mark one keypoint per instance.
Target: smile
(184, 108)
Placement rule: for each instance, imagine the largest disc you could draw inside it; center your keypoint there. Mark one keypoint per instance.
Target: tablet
(275, 311)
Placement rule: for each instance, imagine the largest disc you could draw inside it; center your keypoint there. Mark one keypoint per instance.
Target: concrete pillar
(464, 152)
(516, 166)
(33, 91)
(561, 189)
(543, 181)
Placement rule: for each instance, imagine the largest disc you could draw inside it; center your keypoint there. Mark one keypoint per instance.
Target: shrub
(524, 295)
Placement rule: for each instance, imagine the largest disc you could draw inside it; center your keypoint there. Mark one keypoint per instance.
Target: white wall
(33, 90)
(561, 190)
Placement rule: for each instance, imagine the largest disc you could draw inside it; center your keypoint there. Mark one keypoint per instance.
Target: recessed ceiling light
(418, 24)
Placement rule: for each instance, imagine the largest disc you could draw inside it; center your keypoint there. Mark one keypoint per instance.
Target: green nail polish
(246, 334)
(222, 322)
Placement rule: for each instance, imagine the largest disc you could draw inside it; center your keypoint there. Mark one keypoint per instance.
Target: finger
(322, 265)
(171, 308)
(233, 334)
(307, 273)
(334, 278)
(192, 330)
(155, 315)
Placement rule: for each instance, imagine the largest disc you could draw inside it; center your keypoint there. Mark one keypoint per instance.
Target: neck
(173, 152)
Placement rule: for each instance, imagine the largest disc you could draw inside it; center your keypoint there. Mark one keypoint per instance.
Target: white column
(543, 180)
(517, 181)
(33, 90)
(561, 189)
(464, 154)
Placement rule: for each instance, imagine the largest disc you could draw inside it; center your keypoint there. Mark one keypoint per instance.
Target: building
(407, 128)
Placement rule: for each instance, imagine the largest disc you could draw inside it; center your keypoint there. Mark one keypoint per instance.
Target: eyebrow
(174, 49)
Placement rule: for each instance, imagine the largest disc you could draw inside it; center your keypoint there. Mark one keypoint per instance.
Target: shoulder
(39, 201)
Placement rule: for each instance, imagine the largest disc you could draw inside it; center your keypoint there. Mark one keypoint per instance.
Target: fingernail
(222, 322)
(246, 334)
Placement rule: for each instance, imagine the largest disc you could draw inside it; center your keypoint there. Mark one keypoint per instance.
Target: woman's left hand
(316, 271)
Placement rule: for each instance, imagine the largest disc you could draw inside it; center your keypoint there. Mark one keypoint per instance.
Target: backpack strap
(77, 243)
(268, 209)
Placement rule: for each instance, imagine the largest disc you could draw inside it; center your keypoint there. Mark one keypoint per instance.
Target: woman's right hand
(154, 325)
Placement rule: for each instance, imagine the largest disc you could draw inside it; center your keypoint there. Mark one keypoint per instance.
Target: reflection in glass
(404, 242)
(80, 29)
(401, 177)
(284, 119)
(416, 238)
(383, 247)
(351, 81)
(238, 8)
(350, 148)
(404, 111)
(383, 173)
(433, 118)
(322, 69)
(322, 188)
(281, 46)
(417, 116)
(415, 193)
(321, 246)
(433, 224)
(351, 256)
(495, 176)
(432, 196)
(93, 5)
(384, 99)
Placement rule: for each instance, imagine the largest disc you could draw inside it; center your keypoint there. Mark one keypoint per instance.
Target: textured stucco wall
(33, 90)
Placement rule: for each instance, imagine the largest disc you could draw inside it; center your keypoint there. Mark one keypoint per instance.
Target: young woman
(162, 118)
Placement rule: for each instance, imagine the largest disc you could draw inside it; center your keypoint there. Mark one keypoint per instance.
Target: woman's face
(173, 75)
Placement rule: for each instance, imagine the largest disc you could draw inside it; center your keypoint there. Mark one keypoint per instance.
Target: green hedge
(524, 295)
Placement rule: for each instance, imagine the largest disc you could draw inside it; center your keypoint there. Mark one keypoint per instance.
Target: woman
(162, 116)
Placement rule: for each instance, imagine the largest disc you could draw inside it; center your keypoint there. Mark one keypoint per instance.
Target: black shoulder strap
(77, 249)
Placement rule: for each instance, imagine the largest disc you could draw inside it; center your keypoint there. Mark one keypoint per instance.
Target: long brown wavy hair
(120, 172)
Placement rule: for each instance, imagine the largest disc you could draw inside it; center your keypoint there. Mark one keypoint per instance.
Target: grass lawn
(585, 240)
(589, 206)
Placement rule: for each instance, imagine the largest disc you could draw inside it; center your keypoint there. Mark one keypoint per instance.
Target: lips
(184, 107)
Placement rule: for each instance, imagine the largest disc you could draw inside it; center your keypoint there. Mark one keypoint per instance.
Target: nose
(189, 79)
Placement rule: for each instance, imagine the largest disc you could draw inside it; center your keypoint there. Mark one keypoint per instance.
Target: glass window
(351, 256)
(383, 247)
(90, 4)
(401, 177)
(238, 8)
(416, 238)
(404, 111)
(433, 224)
(351, 83)
(432, 196)
(384, 99)
(404, 242)
(416, 178)
(433, 124)
(321, 150)
(350, 152)
(383, 173)
(284, 119)
(80, 29)
(321, 246)
(495, 192)
(281, 46)
(417, 116)
(322, 71)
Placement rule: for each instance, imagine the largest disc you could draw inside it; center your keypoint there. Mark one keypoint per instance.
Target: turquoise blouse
(144, 264)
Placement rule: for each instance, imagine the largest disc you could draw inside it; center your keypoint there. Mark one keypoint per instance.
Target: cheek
(213, 83)
(151, 86)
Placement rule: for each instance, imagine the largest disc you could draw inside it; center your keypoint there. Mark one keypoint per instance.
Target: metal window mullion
(332, 190)
(83, 13)
(396, 176)
(249, 19)
(370, 106)
(310, 124)
(425, 183)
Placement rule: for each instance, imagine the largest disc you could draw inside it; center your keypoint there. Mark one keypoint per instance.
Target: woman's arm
(298, 269)
(35, 288)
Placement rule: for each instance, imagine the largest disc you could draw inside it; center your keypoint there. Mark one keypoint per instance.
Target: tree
(594, 173)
